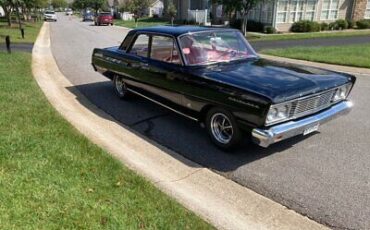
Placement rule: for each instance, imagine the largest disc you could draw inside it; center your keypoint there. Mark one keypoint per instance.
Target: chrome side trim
(268, 136)
(163, 105)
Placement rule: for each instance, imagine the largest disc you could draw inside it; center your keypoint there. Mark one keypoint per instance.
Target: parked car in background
(214, 76)
(87, 16)
(50, 16)
(69, 12)
(104, 18)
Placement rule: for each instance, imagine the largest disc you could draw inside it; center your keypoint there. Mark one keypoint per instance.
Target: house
(156, 8)
(183, 7)
(281, 14)
(2, 13)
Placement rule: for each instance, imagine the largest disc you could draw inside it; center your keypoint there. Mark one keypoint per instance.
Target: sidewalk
(22, 47)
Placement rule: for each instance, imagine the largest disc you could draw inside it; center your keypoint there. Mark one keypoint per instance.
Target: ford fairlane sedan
(213, 76)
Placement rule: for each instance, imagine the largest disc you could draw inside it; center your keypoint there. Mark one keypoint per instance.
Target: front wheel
(120, 87)
(223, 129)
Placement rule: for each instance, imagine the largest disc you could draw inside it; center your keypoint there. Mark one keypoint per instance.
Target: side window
(140, 47)
(126, 42)
(164, 49)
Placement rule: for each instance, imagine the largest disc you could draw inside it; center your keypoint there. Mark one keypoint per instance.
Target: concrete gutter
(339, 68)
(222, 202)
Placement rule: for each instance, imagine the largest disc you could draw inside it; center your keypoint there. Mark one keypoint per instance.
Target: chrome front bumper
(266, 137)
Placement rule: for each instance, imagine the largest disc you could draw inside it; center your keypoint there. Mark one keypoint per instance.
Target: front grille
(310, 105)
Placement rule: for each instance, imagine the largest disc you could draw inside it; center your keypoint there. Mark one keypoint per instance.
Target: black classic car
(214, 76)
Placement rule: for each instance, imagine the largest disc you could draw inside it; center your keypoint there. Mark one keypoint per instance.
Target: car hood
(275, 80)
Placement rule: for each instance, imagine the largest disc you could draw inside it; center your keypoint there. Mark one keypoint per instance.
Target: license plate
(311, 129)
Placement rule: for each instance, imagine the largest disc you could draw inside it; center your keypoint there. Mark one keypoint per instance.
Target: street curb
(338, 68)
(222, 202)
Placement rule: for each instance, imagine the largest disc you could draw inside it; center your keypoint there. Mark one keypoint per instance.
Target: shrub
(251, 25)
(332, 26)
(255, 26)
(305, 26)
(341, 24)
(351, 24)
(269, 30)
(363, 24)
(324, 26)
(191, 22)
(236, 24)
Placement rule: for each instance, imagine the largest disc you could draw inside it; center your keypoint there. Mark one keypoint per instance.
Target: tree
(171, 11)
(247, 5)
(138, 7)
(230, 7)
(7, 6)
(26, 6)
(95, 4)
(59, 3)
(243, 6)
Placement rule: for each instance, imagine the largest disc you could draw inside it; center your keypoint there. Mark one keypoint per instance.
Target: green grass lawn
(351, 55)
(31, 31)
(52, 177)
(142, 22)
(297, 36)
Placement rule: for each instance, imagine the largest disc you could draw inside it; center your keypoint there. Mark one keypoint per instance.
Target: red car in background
(104, 19)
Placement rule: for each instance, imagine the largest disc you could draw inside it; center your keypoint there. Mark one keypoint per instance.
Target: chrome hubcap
(120, 86)
(221, 128)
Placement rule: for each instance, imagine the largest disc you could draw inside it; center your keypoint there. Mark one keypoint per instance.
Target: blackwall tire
(120, 87)
(223, 129)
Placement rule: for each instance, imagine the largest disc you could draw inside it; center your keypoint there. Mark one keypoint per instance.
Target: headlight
(341, 93)
(278, 113)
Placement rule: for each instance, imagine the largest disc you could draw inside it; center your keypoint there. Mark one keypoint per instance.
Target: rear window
(49, 12)
(105, 14)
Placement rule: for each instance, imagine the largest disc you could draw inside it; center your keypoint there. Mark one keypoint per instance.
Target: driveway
(311, 42)
(325, 176)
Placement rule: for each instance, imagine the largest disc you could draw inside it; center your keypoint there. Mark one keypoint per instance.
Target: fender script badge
(243, 102)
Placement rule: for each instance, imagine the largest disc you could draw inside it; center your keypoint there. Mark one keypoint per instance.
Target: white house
(156, 8)
(281, 14)
(2, 13)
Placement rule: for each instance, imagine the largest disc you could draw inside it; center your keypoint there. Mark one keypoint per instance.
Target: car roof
(177, 30)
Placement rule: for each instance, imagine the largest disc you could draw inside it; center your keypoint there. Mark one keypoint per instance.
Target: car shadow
(168, 130)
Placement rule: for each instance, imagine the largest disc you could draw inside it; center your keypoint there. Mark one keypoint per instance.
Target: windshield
(49, 12)
(215, 46)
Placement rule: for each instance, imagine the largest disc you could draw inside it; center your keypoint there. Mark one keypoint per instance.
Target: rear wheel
(120, 87)
(223, 129)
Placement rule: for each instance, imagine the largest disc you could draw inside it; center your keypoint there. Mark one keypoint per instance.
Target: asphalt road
(325, 176)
